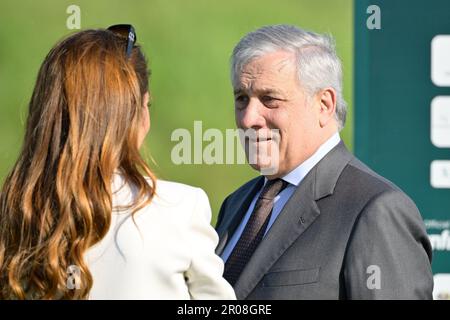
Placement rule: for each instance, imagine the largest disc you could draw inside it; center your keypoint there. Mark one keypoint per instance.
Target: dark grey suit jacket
(346, 233)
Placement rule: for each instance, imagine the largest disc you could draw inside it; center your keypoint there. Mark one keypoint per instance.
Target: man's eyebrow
(269, 91)
(259, 91)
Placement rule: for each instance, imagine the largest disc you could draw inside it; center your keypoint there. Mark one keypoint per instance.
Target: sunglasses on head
(127, 32)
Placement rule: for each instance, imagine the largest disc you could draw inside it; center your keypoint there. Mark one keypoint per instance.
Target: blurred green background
(188, 44)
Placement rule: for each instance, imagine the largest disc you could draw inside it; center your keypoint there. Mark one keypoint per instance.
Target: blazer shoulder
(176, 191)
(371, 188)
(369, 177)
(177, 202)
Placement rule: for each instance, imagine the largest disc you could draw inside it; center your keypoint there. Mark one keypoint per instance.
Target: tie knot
(272, 188)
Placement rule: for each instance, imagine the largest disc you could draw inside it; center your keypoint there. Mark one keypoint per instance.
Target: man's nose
(252, 115)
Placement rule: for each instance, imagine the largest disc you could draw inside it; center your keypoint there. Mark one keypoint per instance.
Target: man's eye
(268, 99)
(241, 99)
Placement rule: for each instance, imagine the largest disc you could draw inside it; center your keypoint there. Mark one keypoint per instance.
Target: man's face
(268, 96)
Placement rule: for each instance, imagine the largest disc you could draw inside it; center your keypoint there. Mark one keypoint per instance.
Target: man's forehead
(267, 73)
(274, 62)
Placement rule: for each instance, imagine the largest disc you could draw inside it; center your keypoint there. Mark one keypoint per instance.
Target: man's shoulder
(363, 182)
(362, 174)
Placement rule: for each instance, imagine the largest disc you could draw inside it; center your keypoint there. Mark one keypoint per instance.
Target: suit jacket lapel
(236, 212)
(297, 215)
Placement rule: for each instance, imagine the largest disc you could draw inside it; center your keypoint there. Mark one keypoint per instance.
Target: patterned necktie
(253, 231)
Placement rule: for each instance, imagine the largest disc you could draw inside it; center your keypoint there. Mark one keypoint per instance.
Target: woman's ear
(146, 99)
(146, 117)
(145, 121)
(327, 100)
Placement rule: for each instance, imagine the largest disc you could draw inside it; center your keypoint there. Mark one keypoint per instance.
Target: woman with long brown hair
(81, 213)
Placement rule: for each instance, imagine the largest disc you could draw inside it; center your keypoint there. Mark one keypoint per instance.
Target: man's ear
(327, 103)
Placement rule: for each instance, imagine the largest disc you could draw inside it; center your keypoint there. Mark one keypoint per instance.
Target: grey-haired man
(322, 225)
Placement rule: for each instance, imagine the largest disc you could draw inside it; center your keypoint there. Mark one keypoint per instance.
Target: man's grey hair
(318, 65)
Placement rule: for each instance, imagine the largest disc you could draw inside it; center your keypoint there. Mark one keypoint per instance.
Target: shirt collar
(296, 176)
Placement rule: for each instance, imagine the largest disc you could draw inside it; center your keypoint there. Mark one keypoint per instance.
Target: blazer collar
(329, 169)
(236, 212)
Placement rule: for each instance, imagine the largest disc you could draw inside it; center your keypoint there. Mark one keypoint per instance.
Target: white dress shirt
(293, 178)
(167, 254)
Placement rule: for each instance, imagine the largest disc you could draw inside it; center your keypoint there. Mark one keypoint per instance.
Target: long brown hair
(82, 128)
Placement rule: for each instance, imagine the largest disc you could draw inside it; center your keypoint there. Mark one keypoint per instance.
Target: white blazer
(167, 254)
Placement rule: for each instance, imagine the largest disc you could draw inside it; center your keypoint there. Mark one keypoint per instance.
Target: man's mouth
(257, 140)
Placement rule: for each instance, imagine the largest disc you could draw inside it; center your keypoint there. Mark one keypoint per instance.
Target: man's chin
(269, 171)
(255, 166)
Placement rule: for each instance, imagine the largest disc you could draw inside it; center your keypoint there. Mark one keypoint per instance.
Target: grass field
(188, 44)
